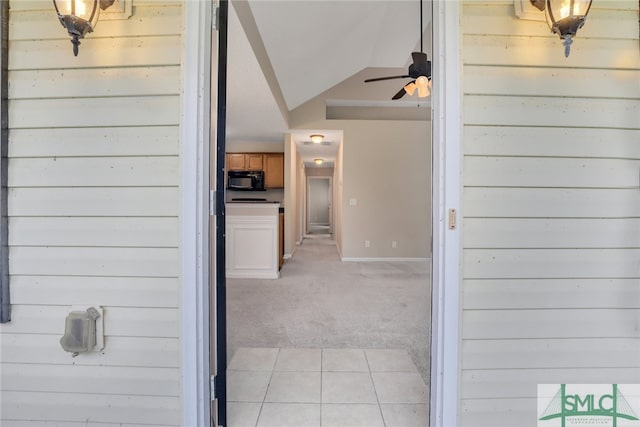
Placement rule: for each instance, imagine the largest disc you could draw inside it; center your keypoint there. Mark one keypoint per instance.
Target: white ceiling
(311, 47)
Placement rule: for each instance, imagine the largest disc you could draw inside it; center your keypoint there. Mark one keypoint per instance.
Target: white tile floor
(270, 387)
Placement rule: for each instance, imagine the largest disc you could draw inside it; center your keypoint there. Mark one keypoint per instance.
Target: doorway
(372, 298)
(446, 261)
(319, 205)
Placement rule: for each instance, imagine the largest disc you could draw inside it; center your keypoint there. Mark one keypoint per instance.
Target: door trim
(446, 195)
(194, 212)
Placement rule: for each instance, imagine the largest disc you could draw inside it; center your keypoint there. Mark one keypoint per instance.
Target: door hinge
(212, 202)
(217, 385)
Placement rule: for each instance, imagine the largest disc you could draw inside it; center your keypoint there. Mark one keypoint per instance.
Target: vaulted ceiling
(282, 54)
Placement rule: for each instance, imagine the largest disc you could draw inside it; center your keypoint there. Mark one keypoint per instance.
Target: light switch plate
(353, 202)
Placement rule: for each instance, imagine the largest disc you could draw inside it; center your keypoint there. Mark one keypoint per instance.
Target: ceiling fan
(419, 71)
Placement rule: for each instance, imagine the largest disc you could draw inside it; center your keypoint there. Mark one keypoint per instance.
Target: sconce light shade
(565, 17)
(79, 17)
(317, 138)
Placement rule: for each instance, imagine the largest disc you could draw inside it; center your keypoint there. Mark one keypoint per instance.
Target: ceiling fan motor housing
(421, 65)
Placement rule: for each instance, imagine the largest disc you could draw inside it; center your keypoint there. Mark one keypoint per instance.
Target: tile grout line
(273, 368)
(375, 390)
(385, 370)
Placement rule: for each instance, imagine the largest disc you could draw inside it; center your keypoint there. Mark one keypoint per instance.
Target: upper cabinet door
(274, 170)
(254, 162)
(236, 162)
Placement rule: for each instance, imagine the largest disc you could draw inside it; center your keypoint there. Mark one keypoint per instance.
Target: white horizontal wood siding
(93, 217)
(551, 202)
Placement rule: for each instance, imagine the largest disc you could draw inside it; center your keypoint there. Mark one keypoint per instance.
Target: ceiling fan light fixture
(420, 68)
(317, 138)
(424, 86)
(410, 88)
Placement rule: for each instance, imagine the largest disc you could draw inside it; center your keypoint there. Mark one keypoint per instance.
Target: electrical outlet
(394, 244)
(367, 244)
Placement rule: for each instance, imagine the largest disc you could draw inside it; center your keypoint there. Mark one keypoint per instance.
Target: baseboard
(355, 259)
(288, 256)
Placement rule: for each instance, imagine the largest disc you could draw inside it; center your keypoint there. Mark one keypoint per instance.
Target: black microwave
(245, 180)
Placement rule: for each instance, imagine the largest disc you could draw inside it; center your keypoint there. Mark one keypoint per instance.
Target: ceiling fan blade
(377, 79)
(400, 94)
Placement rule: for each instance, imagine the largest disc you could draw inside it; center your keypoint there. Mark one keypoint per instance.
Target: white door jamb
(447, 185)
(194, 212)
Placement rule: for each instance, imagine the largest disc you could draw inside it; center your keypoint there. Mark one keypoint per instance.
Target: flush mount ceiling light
(316, 138)
(565, 17)
(318, 161)
(79, 17)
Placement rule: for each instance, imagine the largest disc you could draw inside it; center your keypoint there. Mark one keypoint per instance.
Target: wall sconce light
(316, 138)
(565, 17)
(79, 17)
(318, 161)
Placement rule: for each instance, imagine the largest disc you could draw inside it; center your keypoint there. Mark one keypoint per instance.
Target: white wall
(291, 196)
(551, 208)
(254, 147)
(312, 171)
(337, 199)
(93, 214)
(299, 207)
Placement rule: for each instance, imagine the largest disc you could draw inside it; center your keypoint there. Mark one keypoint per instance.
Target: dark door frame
(220, 342)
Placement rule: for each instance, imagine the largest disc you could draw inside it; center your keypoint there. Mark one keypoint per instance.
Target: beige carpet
(322, 302)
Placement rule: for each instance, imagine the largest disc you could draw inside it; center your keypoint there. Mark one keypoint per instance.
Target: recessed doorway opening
(366, 288)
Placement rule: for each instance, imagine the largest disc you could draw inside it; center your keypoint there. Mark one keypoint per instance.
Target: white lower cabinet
(252, 240)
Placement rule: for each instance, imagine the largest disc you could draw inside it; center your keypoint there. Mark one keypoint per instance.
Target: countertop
(262, 202)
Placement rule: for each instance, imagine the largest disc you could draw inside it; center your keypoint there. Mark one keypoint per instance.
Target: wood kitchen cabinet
(271, 163)
(245, 161)
(236, 162)
(274, 170)
(254, 162)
